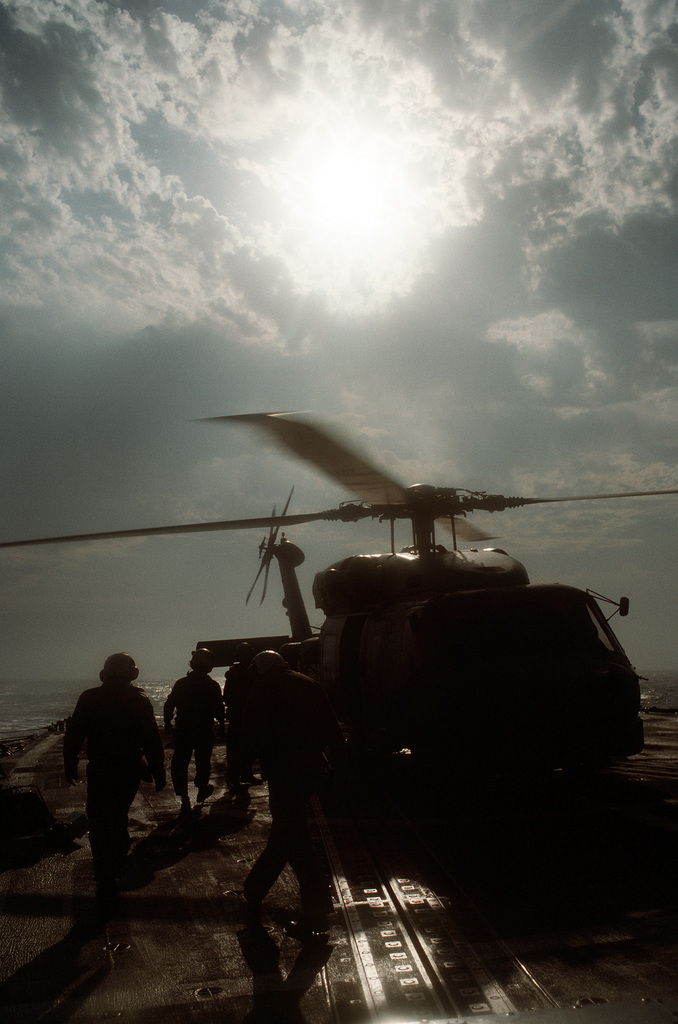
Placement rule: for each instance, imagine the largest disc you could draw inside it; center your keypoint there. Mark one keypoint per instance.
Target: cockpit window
(544, 622)
(602, 634)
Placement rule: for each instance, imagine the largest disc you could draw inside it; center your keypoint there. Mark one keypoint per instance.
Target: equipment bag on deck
(23, 812)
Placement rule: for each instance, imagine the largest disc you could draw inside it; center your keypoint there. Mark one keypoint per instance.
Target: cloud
(447, 227)
(626, 274)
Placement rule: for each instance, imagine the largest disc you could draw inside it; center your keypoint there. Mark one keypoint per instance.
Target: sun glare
(355, 215)
(348, 193)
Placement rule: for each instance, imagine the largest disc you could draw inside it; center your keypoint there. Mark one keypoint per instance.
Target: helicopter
(440, 651)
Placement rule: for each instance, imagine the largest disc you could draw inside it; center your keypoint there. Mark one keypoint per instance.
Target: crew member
(290, 723)
(195, 703)
(118, 722)
(236, 689)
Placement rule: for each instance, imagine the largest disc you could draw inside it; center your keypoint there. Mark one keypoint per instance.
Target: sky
(448, 230)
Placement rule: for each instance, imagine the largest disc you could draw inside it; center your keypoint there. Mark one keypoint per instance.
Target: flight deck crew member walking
(236, 688)
(290, 723)
(196, 703)
(118, 722)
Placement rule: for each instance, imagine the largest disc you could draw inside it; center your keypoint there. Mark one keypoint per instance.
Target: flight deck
(546, 900)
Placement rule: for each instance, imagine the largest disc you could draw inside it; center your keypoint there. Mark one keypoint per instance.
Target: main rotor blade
(595, 497)
(154, 531)
(464, 530)
(328, 454)
(338, 461)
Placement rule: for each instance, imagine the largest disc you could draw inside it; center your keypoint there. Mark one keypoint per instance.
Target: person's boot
(309, 931)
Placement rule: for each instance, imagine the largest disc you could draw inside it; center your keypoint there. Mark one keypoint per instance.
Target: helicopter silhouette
(448, 653)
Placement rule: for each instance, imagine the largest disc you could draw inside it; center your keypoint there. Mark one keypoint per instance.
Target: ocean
(27, 707)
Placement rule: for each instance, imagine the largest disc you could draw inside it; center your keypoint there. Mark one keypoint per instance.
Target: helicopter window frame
(605, 634)
(539, 620)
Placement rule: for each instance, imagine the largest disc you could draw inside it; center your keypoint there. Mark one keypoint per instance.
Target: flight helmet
(119, 666)
(203, 658)
(267, 661)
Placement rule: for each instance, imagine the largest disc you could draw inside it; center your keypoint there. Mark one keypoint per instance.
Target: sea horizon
(51, 701)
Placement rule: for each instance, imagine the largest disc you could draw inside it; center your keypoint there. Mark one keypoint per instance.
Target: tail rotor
(267, 550)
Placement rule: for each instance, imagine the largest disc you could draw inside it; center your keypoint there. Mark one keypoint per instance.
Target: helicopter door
(340, 640)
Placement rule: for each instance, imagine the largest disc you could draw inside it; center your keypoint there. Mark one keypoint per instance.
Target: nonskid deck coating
(177, 949)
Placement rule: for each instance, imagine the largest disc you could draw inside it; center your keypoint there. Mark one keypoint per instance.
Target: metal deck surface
(439, 917)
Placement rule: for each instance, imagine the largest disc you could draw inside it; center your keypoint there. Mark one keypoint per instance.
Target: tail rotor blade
(251, 590)
(265, 588)
(267, 550)
(287, 503)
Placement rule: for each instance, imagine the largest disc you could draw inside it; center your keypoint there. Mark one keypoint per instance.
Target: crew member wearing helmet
(290, 723)
(118, 722)
(236, 688)
(195, 703)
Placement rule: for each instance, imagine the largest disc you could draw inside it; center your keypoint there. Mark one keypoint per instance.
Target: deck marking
(373, 990)
(378, 904)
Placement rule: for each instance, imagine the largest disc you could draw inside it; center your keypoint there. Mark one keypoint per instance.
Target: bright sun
(349, 193)
(354, 217)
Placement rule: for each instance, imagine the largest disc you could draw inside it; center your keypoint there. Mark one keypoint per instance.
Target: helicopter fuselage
(455, 654)
(459, 653)
(362, 582)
